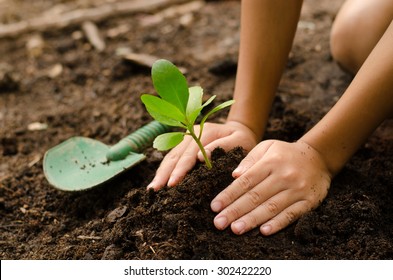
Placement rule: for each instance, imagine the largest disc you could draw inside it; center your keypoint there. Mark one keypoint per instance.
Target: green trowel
(81, 163)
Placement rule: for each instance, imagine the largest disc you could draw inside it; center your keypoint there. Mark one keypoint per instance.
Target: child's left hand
(275, 184)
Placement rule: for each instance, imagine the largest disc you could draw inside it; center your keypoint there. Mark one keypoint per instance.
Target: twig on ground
(86, 237)
(93, 35)
(78, 16)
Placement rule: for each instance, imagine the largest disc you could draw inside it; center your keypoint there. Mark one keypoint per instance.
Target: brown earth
(65, 84)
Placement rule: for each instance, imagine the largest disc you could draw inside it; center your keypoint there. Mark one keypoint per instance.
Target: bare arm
(267, 31)
(365, 104)
(278, 182)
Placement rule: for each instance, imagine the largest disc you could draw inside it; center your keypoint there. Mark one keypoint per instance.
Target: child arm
(266, 35)
(365, 104)
(278, 182)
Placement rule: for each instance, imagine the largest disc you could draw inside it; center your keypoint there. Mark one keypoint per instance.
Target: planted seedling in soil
(177, 105)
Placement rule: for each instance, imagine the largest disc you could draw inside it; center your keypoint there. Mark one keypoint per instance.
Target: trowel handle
(137, 141)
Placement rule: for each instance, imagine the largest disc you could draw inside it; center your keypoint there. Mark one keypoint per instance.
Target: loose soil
(71, 88)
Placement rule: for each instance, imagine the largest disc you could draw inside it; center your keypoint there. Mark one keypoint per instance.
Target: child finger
(167, 166)
(252, 158)
(183, 165)
(285, 218)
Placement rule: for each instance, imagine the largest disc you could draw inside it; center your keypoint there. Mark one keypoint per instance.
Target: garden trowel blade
(80, 163)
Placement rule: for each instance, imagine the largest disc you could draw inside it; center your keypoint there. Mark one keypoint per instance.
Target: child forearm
(267, 31)
(364, 105)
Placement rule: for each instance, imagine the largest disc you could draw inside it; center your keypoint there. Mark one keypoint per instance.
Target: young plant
(177, 105)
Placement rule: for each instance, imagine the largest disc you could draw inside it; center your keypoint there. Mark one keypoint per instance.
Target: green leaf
(167, 141)
(170, 84)
(193, 116)
(163, 111)
(218, 108)
(214, 110)
(208, 101)
(194, 105)
(194, 99)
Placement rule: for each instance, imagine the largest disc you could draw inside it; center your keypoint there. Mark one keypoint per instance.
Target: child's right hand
(275, 184)
(183, 157)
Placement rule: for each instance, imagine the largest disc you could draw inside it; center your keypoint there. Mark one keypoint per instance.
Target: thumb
(252, 157)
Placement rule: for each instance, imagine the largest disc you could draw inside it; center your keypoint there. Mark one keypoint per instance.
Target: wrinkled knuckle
(255, 197)
(245, 182)
(291, 216)
(234, 212)
(272, 207)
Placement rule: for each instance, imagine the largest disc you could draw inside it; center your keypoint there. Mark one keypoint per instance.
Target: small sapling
(177, 105)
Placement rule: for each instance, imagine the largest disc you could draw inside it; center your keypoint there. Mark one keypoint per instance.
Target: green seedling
(177, 105)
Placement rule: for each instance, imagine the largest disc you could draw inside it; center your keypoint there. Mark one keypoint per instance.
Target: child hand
(183, 157)
(275, 184)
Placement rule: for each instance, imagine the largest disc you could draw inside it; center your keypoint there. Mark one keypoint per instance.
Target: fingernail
(152, 185)
(216, 206)
(172, 181)
(266, 229)
(221, 222)
(238, 171)
(238, 227)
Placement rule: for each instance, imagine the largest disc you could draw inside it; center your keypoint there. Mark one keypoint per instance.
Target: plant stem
(199, 143)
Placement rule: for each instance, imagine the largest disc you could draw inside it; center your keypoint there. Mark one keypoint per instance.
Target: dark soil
(96, 94)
